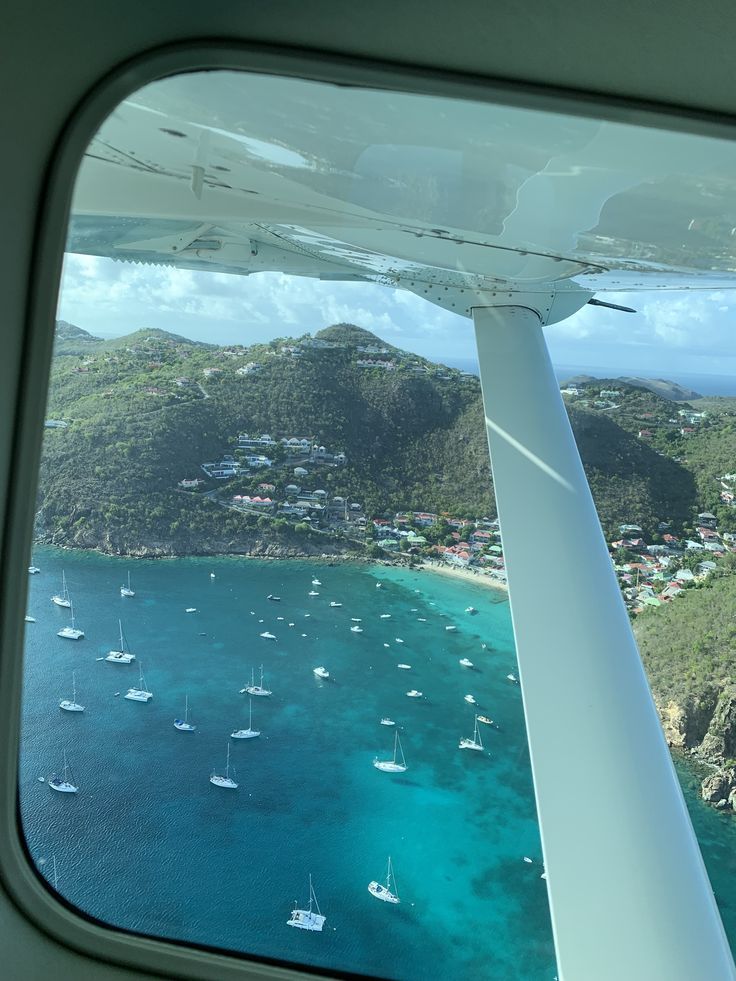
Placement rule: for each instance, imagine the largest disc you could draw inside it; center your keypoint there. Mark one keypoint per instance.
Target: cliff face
(705, 726)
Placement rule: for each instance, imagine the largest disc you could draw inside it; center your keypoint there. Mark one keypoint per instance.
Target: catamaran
(227, 782)
(63, 784)
(386, 893)
(139, 694)
(62, 599)
(253, 688)
(71, 633)
(72, 705)
(184, 725)
(307, 919)
(391, 766)
(476, 742)
(122, 656)
(126, 590)
(250, 732)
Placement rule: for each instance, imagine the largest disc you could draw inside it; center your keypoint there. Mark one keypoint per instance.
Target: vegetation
(689, 646)
(146, 410)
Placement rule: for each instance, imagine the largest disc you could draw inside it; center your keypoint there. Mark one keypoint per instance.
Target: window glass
(270, 682)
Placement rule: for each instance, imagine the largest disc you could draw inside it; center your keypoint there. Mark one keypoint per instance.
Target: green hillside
(146, 410)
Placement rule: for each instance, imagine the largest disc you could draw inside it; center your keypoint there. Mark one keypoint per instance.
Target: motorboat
(321, 673)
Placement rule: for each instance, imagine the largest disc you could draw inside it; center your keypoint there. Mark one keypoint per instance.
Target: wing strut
(628, 891)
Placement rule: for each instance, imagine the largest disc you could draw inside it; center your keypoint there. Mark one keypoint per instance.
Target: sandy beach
(468, 575)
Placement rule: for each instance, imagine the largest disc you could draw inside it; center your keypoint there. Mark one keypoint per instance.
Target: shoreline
(466, 575)
(453, 572)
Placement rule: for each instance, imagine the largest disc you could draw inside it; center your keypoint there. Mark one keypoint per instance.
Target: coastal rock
(719, 788)
(685, 722)
(719, 742)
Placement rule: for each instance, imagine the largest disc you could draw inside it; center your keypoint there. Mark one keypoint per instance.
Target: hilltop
(146, 411)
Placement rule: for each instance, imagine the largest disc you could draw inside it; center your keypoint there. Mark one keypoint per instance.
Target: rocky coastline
(703, 727)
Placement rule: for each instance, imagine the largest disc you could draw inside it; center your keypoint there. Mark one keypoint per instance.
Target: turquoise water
(149, 845)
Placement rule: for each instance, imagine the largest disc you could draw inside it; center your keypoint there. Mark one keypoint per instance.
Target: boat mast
(74, 686)
(122, 642)
(186, 708)
(227, 764)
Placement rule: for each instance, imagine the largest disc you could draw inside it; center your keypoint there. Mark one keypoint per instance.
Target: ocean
(150, 845)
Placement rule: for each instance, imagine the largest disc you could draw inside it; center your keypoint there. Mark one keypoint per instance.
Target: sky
(672, 335)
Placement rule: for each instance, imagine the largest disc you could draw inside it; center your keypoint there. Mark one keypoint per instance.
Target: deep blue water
(148, 844)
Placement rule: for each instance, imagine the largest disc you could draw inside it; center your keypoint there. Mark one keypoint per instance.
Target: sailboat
(122, 656)
(307, 919)
(253, 689)
(126, 590)
(386, 893)
(73, 705)
(63, 784)
(321, 672)
(391, 766)
(62, 599)
(227, 782)
(250, 732)
(72, 632)
(33, 570)
(476, 742)
(183, 725)
(139, 694)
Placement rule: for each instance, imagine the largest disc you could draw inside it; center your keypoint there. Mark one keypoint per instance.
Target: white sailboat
(476, 742)
(29, 619)
(63, 784)
(321, 673)
(62, 598)
(71, 633)
(466, 662)
(254, 689)
(307, 919)
(139, 694)
(72, 705)
(250, 732)
(184, 725)
(227, 782)
(385, 721)
(122, 656)
(267, 635)
(470, 699)
(392, 766)
(33, 570)
(126, 590)
(316, 582)
(357, 629)
(386, 893)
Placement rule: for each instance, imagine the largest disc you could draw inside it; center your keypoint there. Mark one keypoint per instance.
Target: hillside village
(314, 469)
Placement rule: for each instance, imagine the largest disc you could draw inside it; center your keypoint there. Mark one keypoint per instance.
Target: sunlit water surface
(150, 845)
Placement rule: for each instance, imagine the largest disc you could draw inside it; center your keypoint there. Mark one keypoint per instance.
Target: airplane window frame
(68, 925)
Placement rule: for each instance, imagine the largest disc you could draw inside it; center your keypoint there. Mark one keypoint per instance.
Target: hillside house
(249, 369)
